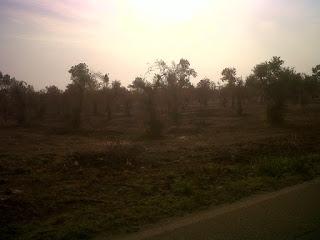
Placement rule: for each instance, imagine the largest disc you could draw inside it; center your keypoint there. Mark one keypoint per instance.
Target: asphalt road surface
(291, 213)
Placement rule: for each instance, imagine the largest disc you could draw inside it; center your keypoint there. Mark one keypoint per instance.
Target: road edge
(174, 223)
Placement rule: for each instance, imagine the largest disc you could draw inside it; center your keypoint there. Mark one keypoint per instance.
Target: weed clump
(115, 156)
(183, 187)
(279, 166)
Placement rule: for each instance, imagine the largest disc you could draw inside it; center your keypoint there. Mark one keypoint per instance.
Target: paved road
(292, 213)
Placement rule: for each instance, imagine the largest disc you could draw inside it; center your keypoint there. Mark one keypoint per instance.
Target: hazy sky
(41, 39)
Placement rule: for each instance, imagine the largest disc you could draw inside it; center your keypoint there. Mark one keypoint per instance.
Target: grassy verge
(122, 187)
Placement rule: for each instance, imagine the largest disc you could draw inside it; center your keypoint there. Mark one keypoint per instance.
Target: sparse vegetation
(167, 95)
(99, 157)
(78, 184)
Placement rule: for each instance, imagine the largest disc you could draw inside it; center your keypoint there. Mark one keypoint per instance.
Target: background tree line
(165, 92)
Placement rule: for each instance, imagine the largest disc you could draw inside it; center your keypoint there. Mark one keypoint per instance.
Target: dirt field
(56, 184)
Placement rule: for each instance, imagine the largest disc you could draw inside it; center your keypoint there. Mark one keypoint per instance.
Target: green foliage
(115, 156)
(81, 76)
(183, 187)
(276, 84)
(123, 186)
(232, 87)
(205, 89)
(275, 112)
(229, 76)
(279, 166)
(152, 119)
(165, 92)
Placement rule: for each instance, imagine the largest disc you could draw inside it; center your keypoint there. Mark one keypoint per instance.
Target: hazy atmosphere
(41, 39)
(159, 119)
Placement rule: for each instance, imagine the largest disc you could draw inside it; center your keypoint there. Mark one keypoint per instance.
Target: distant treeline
(166, 91)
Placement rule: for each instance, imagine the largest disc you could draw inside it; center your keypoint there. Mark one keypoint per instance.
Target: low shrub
(278, 166)
(183, 187)
(115, 156)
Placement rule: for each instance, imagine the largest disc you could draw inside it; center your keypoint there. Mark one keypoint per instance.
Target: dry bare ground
(56, 184)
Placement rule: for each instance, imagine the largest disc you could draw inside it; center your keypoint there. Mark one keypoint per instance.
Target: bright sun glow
(166, 11)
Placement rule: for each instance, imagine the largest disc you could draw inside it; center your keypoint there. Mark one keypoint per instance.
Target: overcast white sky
(41, 39)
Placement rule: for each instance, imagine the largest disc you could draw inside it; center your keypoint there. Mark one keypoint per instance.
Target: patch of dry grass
(75, 185)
